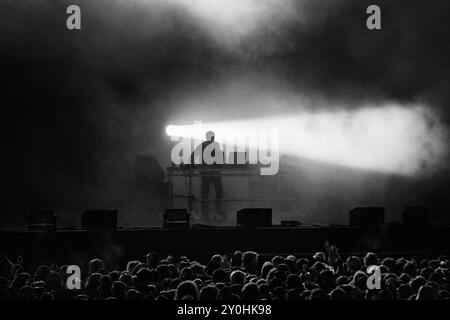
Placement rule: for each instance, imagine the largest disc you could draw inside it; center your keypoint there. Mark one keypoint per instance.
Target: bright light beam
(387, 139)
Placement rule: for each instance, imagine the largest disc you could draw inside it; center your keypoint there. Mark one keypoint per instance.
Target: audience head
(95, 265)
(209, 292)
(250, 262)
(187, 288)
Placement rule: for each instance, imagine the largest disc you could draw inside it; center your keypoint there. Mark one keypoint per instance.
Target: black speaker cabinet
(99, 220)
(367, 217)
(41, 220)
(176, 218)
(254, 217)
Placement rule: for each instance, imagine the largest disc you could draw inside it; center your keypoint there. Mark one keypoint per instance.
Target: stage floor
(119, 246)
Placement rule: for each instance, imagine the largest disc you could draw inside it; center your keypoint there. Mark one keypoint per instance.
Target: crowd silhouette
(238, 276)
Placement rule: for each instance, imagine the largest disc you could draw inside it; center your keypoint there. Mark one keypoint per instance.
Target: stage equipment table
(189, 172)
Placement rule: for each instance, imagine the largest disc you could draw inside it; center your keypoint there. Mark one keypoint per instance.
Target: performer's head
(210, 135)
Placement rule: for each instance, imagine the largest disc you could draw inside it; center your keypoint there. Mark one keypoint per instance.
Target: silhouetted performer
(208, 177)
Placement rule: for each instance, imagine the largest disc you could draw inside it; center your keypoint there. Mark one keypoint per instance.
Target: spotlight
(391, 139)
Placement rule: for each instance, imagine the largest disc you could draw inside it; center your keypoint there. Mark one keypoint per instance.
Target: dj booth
(245, 171)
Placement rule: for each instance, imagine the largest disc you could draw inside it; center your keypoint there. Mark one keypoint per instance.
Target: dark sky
(79, 105)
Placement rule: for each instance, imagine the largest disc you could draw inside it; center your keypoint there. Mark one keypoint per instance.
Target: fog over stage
(364, 114)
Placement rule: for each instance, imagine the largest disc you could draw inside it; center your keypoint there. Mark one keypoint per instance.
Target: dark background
(78, 106)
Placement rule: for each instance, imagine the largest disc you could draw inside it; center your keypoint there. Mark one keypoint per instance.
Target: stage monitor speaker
(99, 220)
(415, 216)
(41, 220)
(367, 217)
(254, 217)
(176, 218)
(290, 223)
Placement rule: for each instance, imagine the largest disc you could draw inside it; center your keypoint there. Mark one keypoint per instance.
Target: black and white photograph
(224, 158)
